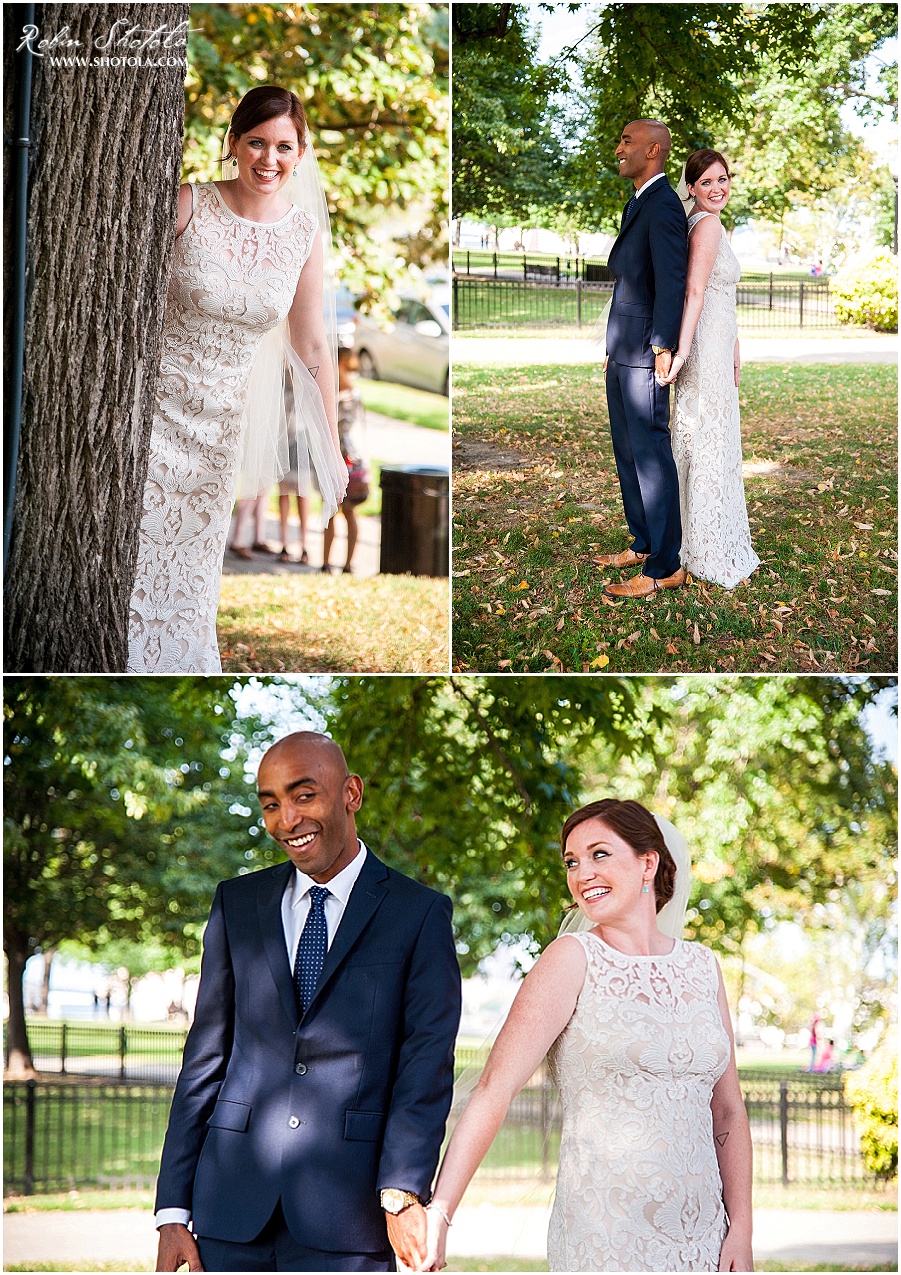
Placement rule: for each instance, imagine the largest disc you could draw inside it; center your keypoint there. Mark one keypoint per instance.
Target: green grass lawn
(535, 496)
(403, 403)
(333, 624)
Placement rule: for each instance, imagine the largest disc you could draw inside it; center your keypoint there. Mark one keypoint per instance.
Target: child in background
(350, 412)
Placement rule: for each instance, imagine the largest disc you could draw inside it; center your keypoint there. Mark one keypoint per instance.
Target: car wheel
(367, 367)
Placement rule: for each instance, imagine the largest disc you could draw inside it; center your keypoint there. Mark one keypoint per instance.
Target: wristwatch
(395, 1201)
(661, 349)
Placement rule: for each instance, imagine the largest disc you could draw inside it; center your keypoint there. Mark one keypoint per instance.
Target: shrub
(866, 291)
(873, 1093)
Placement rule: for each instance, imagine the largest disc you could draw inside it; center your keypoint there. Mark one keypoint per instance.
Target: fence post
(801, 303)
(771, 289)
(30, 1088)
(558, 269)
(467, 261)
(783, 1128)
(579, 299)
(123, 1048)
(62, 1051)
(495, 265)
(456, 320)
(524, 270)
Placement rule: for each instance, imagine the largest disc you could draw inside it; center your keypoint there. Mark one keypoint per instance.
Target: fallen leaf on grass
(696, 636)
(560, 623)
(882, 593)
(523, 584)
(601, 662)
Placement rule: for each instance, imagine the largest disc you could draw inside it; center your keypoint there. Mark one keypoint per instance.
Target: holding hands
(675, 364)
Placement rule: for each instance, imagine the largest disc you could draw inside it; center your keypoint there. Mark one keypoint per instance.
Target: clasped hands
(419, 1238)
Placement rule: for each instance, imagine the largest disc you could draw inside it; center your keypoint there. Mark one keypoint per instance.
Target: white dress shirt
(649, 182)
(295, 910)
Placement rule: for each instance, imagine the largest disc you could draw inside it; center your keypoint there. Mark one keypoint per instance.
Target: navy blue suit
(648, 262)
(318, 1112)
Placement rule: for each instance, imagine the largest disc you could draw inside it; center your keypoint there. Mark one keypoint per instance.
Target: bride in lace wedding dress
(244, 308)
(705, 427)
(655, 1156)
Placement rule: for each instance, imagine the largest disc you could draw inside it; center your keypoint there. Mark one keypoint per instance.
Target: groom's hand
(662, 364)
(407, 1233)
(177, 1246)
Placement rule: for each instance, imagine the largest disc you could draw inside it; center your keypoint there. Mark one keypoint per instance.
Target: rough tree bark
(103, 192)
(19, 1062)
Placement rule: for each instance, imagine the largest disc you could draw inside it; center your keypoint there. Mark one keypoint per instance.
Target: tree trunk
(19, 1063)
(48, 954)
(103, 188)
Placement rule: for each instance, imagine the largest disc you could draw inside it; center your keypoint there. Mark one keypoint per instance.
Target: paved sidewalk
(388, 441)
(849, 1240)
(539, 351)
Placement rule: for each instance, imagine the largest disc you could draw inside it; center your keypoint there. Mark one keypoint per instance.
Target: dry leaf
(601, 662)
(696, 637)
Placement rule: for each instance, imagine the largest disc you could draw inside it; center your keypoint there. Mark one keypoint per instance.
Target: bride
(655, 1158)
(706, 429)
(244, 310)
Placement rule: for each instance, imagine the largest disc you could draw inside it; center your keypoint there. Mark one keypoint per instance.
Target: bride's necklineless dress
(232, 281)
(638, 1183)
(706, 436)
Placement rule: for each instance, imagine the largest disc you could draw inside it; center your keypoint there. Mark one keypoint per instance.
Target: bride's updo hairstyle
(697, 164)
(268, 102)
(637, 827)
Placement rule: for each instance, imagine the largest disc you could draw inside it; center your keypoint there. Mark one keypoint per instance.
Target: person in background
(350, 414)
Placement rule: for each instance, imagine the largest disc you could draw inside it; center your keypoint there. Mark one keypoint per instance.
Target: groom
(648, 262)
(317, 1077)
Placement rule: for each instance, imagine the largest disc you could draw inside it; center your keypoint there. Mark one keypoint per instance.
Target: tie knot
(318, 895)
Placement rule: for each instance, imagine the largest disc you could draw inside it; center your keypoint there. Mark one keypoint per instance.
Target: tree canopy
(374, 81)
(763, 82)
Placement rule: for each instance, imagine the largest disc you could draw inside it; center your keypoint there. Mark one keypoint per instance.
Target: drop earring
(644, 889)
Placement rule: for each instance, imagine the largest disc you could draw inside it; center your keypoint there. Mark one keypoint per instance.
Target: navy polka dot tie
(311, 948)
(628, 212)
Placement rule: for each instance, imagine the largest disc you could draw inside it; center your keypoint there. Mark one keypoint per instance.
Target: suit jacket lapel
(269, 913)
(369, 890)
(636, 211)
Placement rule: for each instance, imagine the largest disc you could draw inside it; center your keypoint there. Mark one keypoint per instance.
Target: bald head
(324, 748)
(643, 150)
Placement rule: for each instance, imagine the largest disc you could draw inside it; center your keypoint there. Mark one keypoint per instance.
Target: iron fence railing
(489, 303)
(147, 1055)
(60, 1135)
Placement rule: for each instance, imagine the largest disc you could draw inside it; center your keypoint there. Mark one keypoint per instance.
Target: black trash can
(415, 530)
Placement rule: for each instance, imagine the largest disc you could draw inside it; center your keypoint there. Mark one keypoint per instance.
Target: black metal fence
(481, 303)
(64, 1135)
(61, 1137)
(146, 1055)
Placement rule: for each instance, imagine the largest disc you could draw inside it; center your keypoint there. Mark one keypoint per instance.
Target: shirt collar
(340, 886)
(642, 189)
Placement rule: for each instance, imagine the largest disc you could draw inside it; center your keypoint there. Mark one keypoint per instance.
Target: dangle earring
(644, 888)
(294, 174)
(234, 163)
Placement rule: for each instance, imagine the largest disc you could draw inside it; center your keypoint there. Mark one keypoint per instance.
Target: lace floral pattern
(232, 281)
(638, 1184)
(706, 435)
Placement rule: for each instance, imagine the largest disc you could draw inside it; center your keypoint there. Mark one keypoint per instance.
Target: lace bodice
(638, 1186)
(706, 435)
(232, 281)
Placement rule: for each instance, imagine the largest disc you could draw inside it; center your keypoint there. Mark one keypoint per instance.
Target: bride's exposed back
(655, 1158)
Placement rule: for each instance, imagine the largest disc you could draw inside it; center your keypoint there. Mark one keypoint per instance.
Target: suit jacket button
(301, 1069)
(293, 1123)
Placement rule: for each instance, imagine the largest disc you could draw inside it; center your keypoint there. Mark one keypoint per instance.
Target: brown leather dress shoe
(644, 586)
(627, 558)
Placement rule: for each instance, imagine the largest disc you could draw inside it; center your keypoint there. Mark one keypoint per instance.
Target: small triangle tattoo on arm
(313, 371)
(721, 1138)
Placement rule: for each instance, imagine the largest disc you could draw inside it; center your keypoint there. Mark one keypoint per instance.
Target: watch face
(392, 1200)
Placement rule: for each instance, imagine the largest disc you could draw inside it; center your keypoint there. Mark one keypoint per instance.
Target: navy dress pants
(275, 1249)
(648, 480)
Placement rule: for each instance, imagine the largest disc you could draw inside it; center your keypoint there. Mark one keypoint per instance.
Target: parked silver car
(412, 349)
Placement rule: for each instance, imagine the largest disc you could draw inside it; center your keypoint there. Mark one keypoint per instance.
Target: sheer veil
(285, 426)
(671, 917)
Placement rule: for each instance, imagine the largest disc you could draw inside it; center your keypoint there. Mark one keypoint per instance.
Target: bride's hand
(436, 1241)
(735, 1254)
(675, 368)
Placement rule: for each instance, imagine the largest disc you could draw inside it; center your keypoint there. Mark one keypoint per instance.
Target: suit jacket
(325, 1110)
(648, 261)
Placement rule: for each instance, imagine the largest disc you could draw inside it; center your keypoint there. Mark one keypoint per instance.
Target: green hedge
(866, 292)
(873, 1093)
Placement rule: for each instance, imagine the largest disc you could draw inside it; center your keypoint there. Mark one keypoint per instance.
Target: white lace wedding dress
(638, 1184)
(706, 436)
(232, 281)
